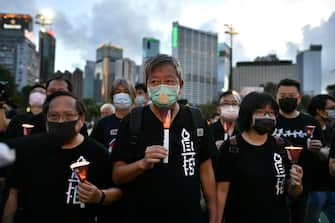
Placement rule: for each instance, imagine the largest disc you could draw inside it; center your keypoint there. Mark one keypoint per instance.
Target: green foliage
(331, 90)
(208, 109)
(5, 75)
(92, 109)
(270, 88)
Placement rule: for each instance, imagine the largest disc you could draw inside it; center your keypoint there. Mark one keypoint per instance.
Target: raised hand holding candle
(80, 168)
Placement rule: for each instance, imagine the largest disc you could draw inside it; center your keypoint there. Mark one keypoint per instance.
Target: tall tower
(47, 47)
(106, 55)
(150, 47)
(309, 70)
(17, 48)
(197, 52)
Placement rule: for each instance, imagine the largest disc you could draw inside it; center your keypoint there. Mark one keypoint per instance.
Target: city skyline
(281, 27)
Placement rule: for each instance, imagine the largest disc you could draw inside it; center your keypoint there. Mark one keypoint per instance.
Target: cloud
(117, 22)
(325, 35)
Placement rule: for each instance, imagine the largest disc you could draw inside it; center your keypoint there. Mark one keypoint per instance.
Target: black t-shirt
(218, 132)
(168, 192)
(48, 187)
(106, 131)
(316, 171)
(15, 128)
(258, 181)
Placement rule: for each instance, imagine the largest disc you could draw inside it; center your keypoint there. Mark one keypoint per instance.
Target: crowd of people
(153, 158)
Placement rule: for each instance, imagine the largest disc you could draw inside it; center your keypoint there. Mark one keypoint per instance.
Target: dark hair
(250, 104)
(126, 85)
(289, 82)
(60, 78)
(159, 60)
(37, 86)
(229, 92)
(80, 107)
(318, 102)
(141, 86)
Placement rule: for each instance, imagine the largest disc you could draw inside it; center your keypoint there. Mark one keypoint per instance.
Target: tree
(92, 109)
(331, 90)
(208, 109)
(7, 77)
(270, 88)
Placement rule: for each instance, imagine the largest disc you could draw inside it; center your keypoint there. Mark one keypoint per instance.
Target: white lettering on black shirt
(280, 173)
(188, 153)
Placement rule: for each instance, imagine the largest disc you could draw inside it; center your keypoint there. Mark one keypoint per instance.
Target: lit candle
(80, 168)
(27, 129)
(166, 136)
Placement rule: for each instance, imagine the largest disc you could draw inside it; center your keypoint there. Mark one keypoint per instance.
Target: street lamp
(45, 18)
(231, 32)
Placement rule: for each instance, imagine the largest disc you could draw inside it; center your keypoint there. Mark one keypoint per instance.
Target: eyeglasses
(264, 113)
(54, 117)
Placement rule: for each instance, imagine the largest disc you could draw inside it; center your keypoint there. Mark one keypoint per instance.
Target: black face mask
(288, 105)
(62, 130)
(264, 125)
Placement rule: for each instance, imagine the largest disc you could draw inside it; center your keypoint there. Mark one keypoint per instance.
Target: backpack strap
(198, 122)
(135, 124)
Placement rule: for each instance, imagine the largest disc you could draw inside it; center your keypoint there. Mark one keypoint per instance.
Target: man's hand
(314, 145)
(296, 174)
(153, 154)
(89, 193)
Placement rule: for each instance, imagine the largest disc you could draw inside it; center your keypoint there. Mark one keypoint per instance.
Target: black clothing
(258, 181)
(105, 131)
(48, 187)
(167, 192)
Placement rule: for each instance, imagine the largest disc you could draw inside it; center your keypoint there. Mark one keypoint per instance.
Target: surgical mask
(164, 96)
(122, 101)
(331, 114)
(140, 100)
(64, 130)
(288, 105)
(37, 99)
(264, 125)
(229, 112)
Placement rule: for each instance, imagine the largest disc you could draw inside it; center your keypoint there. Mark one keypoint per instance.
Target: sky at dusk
(278, 26)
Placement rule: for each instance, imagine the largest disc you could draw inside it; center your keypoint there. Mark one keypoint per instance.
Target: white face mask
(122, 101)
(229, 112)
(37, 99)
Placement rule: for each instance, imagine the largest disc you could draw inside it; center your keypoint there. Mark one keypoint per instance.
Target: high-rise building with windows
(47, 47)
(150, 47)
(89, 79)
(223, 67)
(309, 70)
(125, 69)
(197, 52)
(106, 55)
(17, 49)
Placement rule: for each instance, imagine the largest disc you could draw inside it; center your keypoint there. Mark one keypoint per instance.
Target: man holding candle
(291, 125)
(158, 189)
(44, 188)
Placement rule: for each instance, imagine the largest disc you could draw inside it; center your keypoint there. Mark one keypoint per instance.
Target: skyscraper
(17, 49)
(125, 69)
(47, 46)
(197, 52)
(106, 55)
(223, 67)
(150, 47)
(89, 79)
(309, 70)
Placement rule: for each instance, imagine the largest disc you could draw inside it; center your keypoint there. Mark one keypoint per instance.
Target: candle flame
(167, 120)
